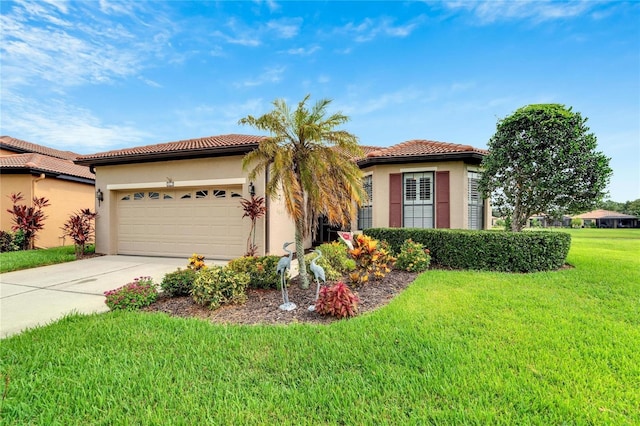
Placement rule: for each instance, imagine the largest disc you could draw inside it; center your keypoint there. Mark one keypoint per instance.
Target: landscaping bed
(262, 305)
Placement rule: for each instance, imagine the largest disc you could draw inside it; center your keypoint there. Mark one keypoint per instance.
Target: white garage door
(178, 222)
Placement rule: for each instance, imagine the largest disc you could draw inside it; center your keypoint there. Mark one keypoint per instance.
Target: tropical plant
(28, 219)
(254, 208)
(11, 241)
(413, 257)
(261, 270)
(196, 262)
(178, 283)
(310, 163)
(335, 260)
(80, 228)
(373, 259)
(137, 294)
(543, 160)
(218, 286)
(337, 300)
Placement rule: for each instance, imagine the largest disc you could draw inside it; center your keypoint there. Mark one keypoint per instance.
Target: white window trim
(419, 170)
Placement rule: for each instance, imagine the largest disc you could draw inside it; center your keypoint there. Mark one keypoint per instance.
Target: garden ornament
(318, 272)
(283, 265)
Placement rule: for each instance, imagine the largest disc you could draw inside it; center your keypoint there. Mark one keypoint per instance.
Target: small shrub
(372, 257)
(196, 262)
(261, 270)
(218, 286)
(178, 283)
(335, 260)
(132, 296)
(413, 257)
(576, 222)
(338, 301)
(11, 241)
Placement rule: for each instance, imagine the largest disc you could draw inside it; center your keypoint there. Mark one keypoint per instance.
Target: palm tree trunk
(302, 265)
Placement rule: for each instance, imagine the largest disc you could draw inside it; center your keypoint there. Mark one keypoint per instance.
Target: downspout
(267, 227)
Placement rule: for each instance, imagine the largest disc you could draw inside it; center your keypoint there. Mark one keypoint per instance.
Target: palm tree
(310, 163)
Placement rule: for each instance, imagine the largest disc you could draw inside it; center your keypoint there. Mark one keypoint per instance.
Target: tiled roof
(422, 147)
(20, 146)
(190, 145)
(604, 214)
(44, 163)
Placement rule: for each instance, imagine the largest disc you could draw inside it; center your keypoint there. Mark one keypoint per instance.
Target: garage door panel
(182, 222)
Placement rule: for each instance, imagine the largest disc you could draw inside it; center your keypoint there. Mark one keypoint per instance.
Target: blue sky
(94, 76)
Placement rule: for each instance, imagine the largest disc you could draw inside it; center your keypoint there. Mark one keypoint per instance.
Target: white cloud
(301, 51)
(269, 75)
(63, 126)
(538, 11)
(219, 119)
(252, 35)
(359, 105)
(369, 28)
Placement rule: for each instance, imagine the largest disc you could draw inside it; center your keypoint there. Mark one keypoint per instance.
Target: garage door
(180, 222)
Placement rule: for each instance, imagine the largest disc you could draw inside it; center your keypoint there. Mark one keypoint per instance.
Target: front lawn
(25, 259)
(456, 347)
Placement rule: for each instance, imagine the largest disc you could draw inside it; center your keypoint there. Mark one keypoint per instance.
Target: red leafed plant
(338, 301)
(29, 219)
(80, 228)
(254, 208)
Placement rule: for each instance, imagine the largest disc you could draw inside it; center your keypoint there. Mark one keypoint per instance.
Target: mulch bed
(262, 305)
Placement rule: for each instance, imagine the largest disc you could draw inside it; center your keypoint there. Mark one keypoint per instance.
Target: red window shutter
(395, 200)
(443, 213)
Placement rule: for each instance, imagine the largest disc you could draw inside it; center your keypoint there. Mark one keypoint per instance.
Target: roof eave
(168, 155)
(474, 157)
(21, 170)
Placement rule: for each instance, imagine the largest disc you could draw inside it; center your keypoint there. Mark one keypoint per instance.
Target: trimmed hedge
(484, 250)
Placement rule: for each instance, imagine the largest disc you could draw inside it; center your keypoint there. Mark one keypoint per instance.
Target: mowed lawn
(456, 347)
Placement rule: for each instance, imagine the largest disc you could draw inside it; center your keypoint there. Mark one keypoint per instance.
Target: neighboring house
(177, 198)
(546, 221)
(607, 219)
(38, 171)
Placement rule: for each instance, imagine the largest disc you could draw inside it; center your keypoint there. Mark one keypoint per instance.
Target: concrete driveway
(41, 295)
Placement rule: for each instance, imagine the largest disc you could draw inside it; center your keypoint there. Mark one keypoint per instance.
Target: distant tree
(632, 207)
(611, 205)
(310, 164)
(542, 159)
(28, 219)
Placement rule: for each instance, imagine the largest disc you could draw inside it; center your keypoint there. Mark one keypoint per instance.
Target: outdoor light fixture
(252, 189)
(99, 196)
(169, 182)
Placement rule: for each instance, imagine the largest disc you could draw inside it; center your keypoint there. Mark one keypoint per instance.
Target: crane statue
(284, 264)
(318, 272)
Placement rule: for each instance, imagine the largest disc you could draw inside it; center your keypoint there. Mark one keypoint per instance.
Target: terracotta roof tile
(17, 145)
(422, 147)
(44, 163)
(205, 143)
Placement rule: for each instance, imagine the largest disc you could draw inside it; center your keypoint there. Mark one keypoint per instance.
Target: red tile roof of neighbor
(40, 163)
(21, 147)
(207, 144)
(604, 214)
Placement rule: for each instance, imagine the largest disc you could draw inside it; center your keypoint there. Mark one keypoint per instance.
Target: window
(166, 196)
(475, 201)
(138, 196)
(202, 193)
(154, 195)
(418, 200)
(185, 196)
(365, 212)
(219, 193)
(235, 195)
(126, 197)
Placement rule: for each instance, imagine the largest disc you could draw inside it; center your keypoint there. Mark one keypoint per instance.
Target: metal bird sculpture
(284, 264)
(318, 272)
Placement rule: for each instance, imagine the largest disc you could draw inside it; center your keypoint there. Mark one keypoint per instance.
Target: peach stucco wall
(110, 179)
(457, 187)
(65, 198)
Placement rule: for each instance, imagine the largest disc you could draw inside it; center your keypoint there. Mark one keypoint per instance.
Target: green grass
(456, 347)
(25, 259)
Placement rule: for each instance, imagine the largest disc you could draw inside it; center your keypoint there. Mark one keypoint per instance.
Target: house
(177, 198)
(38, 171)
(607, 219)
